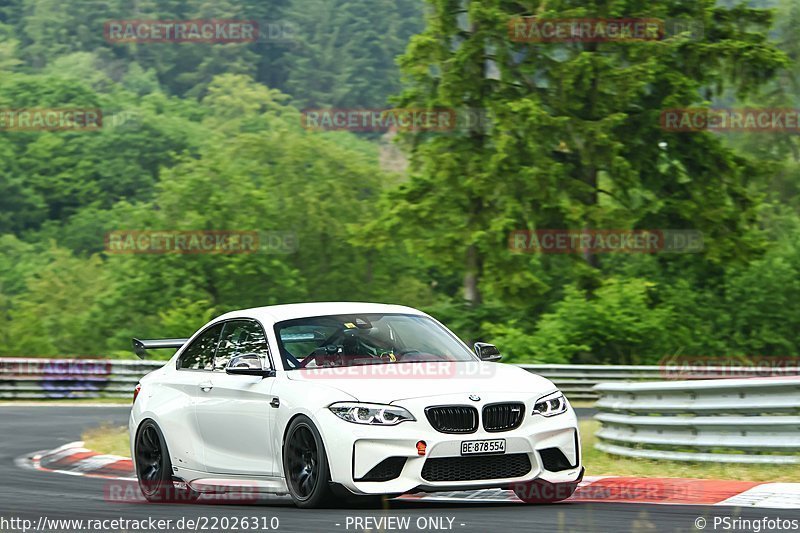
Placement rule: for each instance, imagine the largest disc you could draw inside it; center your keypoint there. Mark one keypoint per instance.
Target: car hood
(386, 383)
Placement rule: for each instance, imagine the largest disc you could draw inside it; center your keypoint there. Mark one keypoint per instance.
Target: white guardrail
(578, 381)
(30, 379)
(723, 420)
(34, 378)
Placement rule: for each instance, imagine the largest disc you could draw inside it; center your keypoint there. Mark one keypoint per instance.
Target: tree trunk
(472, 276)
(589, 256)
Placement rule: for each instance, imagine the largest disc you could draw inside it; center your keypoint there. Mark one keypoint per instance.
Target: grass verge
(108, 439)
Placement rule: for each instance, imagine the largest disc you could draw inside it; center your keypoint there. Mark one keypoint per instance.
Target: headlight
(371, 413)
(550, 405)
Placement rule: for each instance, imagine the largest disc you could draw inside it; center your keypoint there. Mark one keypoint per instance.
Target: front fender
(303, 398)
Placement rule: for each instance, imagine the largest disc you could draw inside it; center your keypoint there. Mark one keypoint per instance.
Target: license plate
(470, 447)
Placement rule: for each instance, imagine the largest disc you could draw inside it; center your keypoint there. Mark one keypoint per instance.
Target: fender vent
(554, 460)
(388, 469)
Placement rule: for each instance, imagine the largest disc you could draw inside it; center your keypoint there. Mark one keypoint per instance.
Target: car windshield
(366, 339)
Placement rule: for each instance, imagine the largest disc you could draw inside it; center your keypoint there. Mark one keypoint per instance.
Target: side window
(200, 354)
(242, 337)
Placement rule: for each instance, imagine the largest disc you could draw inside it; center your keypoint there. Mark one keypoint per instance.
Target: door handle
(206, 386)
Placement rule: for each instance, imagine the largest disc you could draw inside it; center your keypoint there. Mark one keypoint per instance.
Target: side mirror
(487, 352)
(248, 365)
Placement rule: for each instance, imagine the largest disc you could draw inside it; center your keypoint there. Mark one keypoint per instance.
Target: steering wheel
(330, 355)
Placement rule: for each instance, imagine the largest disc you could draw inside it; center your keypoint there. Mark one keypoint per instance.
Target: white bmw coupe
(330, 402)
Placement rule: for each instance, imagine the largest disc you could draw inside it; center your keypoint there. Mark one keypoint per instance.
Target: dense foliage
(210, 137)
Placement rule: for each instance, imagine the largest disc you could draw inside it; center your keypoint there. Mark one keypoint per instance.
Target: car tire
(154, 468)
(539, 491)
(305, 466)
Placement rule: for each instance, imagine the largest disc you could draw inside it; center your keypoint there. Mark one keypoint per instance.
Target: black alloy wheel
(154, 469)
(305, 465)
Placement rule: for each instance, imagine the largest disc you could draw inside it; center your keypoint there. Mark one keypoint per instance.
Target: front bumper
(354, 450)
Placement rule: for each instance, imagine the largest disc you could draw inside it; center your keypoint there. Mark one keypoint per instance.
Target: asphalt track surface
(30, 494)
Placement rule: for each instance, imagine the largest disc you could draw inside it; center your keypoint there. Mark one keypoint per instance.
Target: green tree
(573, 140)
(51, 316)
(345, 54)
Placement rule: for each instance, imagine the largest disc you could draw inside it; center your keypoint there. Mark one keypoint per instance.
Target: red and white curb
(74, 459)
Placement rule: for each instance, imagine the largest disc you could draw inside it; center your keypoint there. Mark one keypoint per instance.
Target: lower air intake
(388, 469)
(478, 467)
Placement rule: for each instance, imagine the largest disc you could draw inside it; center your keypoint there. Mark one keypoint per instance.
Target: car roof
(279, 313)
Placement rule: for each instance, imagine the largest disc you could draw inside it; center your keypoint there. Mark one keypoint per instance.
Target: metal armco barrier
(578, 381)
(29, 379)
(35, 378)
(726, 420)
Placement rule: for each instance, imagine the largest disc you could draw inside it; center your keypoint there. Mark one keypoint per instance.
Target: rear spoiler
(140, 347)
